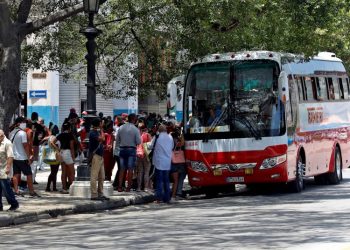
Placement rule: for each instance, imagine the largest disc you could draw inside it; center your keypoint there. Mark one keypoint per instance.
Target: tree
(16, 23)
(157, 40)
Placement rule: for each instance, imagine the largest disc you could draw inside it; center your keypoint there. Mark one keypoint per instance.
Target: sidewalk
(53, 204)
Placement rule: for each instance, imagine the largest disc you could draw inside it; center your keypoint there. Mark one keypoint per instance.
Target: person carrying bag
(51, 153)
(178, 155)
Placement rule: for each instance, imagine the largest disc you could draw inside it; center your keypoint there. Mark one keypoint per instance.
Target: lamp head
(91, 6)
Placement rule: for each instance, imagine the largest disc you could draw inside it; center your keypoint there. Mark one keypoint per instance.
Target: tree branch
(232, 25)
(138, 39)
(57, 17)
(24, 10)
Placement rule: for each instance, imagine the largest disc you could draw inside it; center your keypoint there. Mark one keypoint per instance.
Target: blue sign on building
(37, 93)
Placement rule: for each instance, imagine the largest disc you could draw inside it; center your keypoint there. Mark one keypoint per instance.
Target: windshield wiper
(245, 121)
(215, 124)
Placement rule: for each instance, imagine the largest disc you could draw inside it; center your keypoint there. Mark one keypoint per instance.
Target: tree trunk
(10, 64)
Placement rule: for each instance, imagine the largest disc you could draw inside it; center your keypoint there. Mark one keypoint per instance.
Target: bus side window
(321, 88)
(341, 88)
(292, 105)
(289, 108)
(347, 87)
(310, 89)
(301, 91)
(336, 88)
(331, 95)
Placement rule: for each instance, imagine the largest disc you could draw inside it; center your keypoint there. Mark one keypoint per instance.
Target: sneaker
(179, 198)
(47, 190)
(13, 208)
(34, 195)
(95, 198)
(120, 189)
(35, 183)
(19, 194)
(64, 191)
(138, 190)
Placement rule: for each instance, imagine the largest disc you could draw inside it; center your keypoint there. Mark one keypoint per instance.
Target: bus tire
(337, 175)
(213, 193)
(320, 179)
(297, 185)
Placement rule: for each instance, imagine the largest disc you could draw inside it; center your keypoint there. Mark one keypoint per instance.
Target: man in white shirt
(163, 149)
(22, 156)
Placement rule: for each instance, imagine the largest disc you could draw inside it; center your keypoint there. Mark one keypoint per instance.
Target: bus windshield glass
(236, 99)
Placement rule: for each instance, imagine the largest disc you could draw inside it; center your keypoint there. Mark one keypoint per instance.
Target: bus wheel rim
(300, 174)
(337, 165)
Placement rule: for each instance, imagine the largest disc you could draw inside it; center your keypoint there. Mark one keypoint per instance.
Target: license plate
(217, 172)
(235, 179)
(248, 171)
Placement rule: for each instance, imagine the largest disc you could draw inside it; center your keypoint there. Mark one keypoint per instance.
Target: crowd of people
(140, 146)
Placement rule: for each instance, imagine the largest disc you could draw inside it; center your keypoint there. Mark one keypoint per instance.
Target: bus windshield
(236, 99)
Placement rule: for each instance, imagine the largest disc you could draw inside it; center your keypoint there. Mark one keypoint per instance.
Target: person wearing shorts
(66, 140)
(128, 138)
(22, 156)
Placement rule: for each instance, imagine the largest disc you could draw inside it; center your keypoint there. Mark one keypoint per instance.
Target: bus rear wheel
(320, 179)
(297, 185)
(337, 175)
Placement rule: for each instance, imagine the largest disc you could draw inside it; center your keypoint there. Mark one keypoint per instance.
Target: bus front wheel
(297, 185)
(336, 176)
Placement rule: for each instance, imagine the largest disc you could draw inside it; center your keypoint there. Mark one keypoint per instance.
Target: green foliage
(144, 31)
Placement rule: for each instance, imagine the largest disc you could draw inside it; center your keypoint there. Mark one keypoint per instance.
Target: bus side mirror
(283, 87)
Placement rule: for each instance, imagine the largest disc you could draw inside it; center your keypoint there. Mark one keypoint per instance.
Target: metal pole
(91, 33)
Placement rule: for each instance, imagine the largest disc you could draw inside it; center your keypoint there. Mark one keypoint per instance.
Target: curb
(17, 219)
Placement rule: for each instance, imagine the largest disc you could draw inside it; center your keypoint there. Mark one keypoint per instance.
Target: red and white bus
(266, 117)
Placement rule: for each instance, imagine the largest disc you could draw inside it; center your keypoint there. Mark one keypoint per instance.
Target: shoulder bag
(50, 155)
(178, 156)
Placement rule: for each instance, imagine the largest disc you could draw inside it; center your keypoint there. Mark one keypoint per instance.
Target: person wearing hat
(22, 156)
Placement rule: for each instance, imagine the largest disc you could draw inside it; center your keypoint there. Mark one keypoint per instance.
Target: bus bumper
(276, 174)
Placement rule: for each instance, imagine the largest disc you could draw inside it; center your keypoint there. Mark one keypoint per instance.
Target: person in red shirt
(108, 150)
(143, 164)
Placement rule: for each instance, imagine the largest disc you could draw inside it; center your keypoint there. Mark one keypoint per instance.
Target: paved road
(318, 218)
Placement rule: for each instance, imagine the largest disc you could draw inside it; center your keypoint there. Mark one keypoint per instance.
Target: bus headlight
(272, 162)
(199, 166)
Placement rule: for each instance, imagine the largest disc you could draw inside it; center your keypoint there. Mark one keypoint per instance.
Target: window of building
(83, 105)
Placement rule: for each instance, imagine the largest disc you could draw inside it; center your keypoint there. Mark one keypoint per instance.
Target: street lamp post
(91, 32)
(81, 185)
